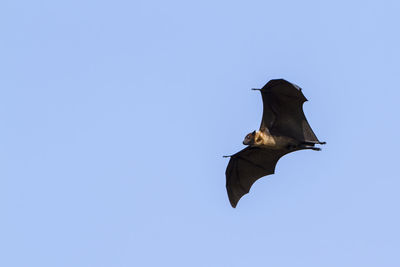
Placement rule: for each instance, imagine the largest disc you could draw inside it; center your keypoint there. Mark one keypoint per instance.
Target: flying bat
(284, 129)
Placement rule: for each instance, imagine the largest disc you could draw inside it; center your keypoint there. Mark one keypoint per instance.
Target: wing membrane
(283, 113)
(246, 167)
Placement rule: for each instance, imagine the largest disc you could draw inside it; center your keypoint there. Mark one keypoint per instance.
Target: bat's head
(249, 139)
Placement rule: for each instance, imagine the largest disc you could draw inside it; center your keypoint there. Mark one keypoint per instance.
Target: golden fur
(264, 139)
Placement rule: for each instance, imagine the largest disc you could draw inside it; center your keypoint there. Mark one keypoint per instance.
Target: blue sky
(115, 116)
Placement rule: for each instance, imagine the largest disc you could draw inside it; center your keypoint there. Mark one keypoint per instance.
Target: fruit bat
(284, 129)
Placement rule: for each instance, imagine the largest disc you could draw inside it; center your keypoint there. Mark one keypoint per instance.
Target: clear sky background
(115, 115)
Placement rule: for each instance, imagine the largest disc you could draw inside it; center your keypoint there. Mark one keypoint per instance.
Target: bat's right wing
(247, 166)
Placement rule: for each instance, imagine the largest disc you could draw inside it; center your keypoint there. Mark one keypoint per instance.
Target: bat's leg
(314, 142)
(305, 146)
(291, 146)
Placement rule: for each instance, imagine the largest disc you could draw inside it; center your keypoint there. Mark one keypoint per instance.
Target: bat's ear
(253, 133)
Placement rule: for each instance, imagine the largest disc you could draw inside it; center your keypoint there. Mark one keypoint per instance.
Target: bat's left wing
(283, 113)
(247, 166)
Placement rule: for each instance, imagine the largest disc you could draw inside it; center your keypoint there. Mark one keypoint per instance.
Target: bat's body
(266, 140)
(284, 129)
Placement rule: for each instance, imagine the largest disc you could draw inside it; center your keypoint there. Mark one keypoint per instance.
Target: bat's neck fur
(265, 139)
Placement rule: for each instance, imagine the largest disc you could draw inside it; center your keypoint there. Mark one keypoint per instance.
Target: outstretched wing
(247, 166)
(283, 113)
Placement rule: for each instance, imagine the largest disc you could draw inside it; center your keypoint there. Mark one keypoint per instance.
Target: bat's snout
(247, 142)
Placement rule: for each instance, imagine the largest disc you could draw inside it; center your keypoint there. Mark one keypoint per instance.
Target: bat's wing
(283, 113)
(247, 166)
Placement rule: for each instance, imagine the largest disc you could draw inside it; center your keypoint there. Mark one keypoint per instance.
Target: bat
(284, 129)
